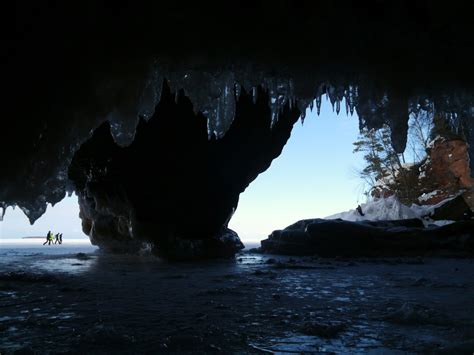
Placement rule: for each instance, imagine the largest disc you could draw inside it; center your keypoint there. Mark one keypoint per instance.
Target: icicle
(237, 90)
(209, 128)
(330, 92)
(338, 106)
(254, 95)
(302, 105)
(311, 105)
(353, 98)
(318, 104)
(151, 95)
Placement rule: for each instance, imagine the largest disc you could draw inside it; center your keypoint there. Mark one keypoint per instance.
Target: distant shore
(38, 241)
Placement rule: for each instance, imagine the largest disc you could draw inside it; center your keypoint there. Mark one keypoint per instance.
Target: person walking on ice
(49, 238)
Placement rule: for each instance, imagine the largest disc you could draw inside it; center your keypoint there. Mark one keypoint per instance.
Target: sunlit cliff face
(70, 70)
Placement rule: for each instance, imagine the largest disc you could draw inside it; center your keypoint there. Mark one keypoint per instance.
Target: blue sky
(63, 217)
(315, 176)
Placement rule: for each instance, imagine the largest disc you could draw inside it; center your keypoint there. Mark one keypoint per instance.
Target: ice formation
(215, 94)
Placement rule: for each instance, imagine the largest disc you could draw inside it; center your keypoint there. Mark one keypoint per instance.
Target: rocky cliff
(444, 173)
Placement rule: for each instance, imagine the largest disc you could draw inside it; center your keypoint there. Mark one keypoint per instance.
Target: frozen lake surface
(72, 299)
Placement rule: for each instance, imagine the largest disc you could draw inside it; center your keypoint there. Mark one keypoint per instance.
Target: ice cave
(158, 115)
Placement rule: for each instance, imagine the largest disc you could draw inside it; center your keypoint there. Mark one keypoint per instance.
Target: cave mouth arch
(181, 207)
(81, 66)
(302, 153)
(315, 176)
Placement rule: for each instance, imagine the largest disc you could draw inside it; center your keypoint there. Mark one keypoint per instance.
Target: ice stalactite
(138, 100)
(3, 209)
(214, 94)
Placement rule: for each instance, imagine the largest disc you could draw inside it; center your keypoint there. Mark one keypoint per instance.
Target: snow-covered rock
(383, 209)
(378, 209)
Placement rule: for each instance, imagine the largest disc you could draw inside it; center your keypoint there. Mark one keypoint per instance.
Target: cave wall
(68, 69)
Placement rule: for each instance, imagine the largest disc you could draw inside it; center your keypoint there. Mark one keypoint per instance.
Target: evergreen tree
(380, 157)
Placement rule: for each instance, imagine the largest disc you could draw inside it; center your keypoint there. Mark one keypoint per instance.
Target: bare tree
(419, 134)
(386, 169)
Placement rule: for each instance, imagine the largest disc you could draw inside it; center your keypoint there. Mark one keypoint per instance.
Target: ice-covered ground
(92, 303)
(390, 208)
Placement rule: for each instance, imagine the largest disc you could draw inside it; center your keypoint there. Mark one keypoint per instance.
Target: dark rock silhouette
(370, 238)
(173, 186)
(453, 210)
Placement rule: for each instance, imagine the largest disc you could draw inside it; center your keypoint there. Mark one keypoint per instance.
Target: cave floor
(254, 304)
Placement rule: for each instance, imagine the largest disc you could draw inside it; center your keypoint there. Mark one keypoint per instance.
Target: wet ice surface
(92, 303)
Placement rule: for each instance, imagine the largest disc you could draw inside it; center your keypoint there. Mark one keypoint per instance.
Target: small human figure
(49, 238)
(56, 238)
(61, 238)
(359, 209)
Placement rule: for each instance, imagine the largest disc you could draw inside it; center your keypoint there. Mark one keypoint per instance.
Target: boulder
(224, 245)
(370, 238)
(453, 210)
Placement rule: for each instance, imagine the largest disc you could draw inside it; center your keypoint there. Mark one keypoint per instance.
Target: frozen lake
(93, 303)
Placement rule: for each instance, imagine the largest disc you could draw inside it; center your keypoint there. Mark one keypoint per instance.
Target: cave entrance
(315, 176)
(63, 217)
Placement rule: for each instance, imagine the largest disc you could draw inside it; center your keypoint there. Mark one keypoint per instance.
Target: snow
(427, 196)
(436, 139)
(390, 208)
(378, 209)
(390, 176)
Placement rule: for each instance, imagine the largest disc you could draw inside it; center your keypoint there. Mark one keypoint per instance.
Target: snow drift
(390, 208)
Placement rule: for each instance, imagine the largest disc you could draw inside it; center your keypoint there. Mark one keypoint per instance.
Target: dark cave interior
(83, 83)
(158, 115)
